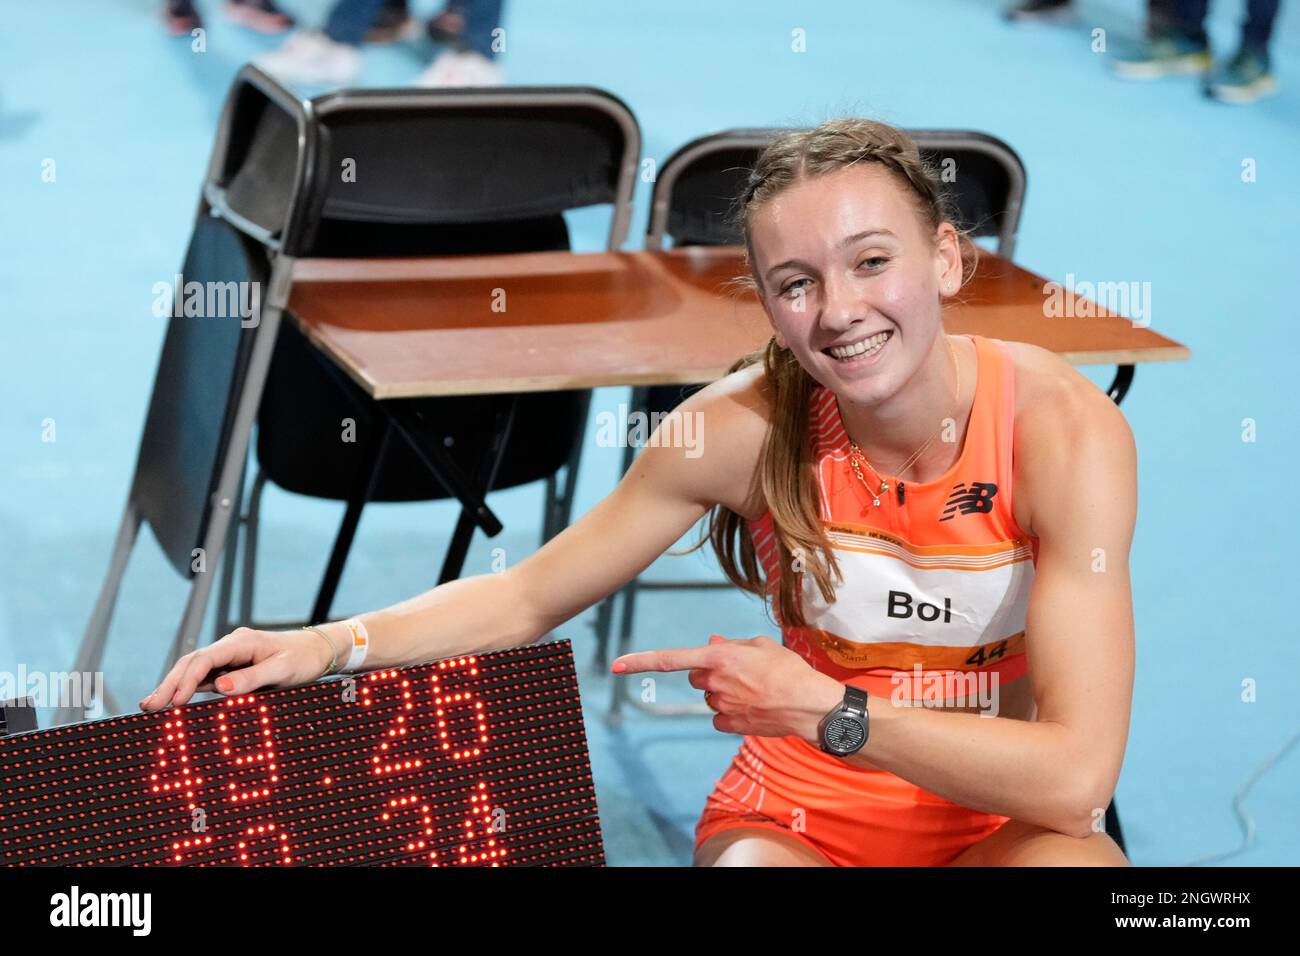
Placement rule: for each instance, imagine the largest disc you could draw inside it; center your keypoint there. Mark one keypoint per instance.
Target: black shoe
(1042, 11)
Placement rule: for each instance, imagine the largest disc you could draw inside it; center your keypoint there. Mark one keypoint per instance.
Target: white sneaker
(463, 68)
(310, 57)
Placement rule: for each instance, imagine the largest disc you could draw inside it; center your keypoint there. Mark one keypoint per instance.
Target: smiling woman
(852, 252)
(923, 510)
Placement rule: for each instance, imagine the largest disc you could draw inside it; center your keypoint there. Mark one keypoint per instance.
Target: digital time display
(478, 761)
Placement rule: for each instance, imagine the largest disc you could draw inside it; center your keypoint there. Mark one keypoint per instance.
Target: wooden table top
(544, 321)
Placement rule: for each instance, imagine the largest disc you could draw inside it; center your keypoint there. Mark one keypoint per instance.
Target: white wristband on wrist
(359, 641)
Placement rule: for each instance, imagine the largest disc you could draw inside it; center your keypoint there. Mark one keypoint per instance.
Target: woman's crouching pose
(942, 524)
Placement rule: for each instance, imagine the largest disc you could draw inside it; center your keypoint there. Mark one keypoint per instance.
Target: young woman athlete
(942, 521)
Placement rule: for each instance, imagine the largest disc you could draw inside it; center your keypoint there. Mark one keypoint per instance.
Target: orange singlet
(932, 605)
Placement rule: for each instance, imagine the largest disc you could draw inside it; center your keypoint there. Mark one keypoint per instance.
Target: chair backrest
(377, 172)
(203, 367)
(697, 185)
(200, 374)
(413, 172)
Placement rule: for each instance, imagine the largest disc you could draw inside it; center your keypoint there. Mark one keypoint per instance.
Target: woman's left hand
(757, 686)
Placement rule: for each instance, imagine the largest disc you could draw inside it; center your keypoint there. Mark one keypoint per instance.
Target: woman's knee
(756, 846)
(1027, 844)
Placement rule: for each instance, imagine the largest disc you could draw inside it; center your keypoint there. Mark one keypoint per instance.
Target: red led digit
(274, 845)
(396, 738)
(173, 773)
(261, 757)
(451, 690)
(412, 805)
(480, 826)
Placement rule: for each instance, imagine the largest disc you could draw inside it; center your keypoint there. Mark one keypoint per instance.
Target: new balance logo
(975, 498)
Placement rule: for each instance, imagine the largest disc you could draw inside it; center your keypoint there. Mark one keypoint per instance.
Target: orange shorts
(852, 817)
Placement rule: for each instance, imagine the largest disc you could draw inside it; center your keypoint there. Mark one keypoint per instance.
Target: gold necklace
(855, 453)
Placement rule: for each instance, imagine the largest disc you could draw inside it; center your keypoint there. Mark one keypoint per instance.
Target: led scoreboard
(478, 761)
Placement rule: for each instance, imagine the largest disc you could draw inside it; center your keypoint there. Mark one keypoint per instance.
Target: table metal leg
(1118, 389)
(485, 478)
(432, 455)
(1120, 386)
(374, 451)
(435, 458)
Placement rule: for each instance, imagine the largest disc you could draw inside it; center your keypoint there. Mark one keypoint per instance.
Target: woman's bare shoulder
(1047, 385)
(1059, 413)
(730, 418)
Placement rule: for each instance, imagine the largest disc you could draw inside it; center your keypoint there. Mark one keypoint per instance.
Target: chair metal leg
(605, 612)
(549, 497)
(619, 691)
(221, 623)
(559, 501)
(90, 655)
(252, 525)
(375, 452)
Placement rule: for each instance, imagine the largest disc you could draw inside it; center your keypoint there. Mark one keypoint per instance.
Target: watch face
(844, 734)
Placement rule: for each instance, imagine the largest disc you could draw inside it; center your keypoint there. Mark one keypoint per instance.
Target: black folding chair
(189, 466)
(269, 197)
(435, 172)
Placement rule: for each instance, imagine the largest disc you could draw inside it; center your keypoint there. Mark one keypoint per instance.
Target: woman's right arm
(664, 493)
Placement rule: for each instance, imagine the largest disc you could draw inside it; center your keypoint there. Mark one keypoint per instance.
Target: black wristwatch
(844, 730)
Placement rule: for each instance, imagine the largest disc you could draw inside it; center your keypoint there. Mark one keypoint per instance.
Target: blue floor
(1126, 183)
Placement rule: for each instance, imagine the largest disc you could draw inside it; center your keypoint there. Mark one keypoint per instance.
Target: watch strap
(855, 700)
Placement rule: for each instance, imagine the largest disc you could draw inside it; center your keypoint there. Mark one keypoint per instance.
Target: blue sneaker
(1168, 55)
(1244, 79)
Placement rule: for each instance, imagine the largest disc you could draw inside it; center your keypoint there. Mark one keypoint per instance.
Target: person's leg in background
(1160, 13)
(448, 26)
(474, 63)
(391, 21)
(1160, 18)
(181, 17)
(332, 56)
(1184, 48)
(1248, 75)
